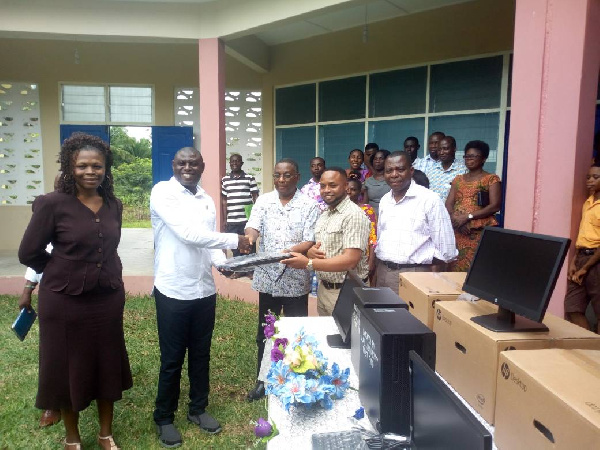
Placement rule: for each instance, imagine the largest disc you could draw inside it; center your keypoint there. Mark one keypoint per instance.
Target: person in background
(342, 236)
(285, 220)
(411, 147)
(583, 276)
(413, 228)
(238, 191)
(474, 199)
(81, 299)
(312, 189)
(187, 246)
(370, 150)
(356, 159)
(354, 189)
(432, 157)
(446, 169)
(420, 178)
(375, 187)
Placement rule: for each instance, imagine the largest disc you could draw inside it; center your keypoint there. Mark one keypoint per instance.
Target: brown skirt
(82, 348)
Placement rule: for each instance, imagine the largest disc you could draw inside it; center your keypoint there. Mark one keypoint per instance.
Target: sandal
(111, 441)
(72, 445)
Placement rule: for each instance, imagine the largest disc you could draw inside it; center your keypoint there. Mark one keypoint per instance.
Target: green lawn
(232, 375)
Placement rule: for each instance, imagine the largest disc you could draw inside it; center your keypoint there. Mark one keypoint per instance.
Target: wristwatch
(309, 265)
(470, 216)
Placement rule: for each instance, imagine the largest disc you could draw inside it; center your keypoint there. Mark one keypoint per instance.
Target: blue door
(95, 130)
(165, 143)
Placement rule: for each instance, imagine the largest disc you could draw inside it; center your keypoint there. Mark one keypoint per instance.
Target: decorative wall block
(21, 163)
(243, 124)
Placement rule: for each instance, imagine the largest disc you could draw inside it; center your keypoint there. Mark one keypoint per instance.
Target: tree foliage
(132, 170)
(133, 182)
(124, 145)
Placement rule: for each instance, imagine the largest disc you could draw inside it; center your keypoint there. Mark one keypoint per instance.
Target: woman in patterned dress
(472, 202)
(354, 189)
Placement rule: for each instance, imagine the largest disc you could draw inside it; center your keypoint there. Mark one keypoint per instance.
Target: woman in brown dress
(473, 200)
(81, 297)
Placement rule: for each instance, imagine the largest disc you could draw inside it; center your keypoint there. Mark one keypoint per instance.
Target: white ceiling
(354, 15)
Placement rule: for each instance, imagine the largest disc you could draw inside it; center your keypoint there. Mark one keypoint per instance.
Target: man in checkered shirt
(341, 235)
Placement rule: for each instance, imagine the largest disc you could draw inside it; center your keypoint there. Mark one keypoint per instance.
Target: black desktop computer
(387, 336)
(369, 297)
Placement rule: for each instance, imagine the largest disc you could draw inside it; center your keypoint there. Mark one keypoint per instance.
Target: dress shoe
(49, 417)
(257, 392)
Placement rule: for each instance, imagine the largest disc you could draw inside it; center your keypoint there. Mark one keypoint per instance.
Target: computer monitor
(516, 271)
(342, 312)
(438, 418)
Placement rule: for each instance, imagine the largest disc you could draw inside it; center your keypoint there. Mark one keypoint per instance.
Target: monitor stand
(336, 341)
(505, 321)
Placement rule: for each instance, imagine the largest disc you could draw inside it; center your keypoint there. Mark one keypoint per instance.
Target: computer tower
(387, 336)
(369, 297)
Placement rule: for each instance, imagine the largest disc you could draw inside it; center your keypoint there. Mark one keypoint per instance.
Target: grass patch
(232, 375)
(136, 223)
(136, 217)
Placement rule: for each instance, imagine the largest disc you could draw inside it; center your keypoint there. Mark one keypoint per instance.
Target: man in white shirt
(285, 219)
(414, 228)
(186, 247)
(411, 147)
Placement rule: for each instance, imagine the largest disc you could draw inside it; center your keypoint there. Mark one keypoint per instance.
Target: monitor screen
(342, 312)
(516, 270)
(439, 419)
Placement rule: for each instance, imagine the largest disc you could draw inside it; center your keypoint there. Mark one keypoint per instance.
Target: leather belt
(586, 251)
(395, 266)
(328, 285)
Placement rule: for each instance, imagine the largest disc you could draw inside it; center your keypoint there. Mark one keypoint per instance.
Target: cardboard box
(422, 289)
(548, 399)
(467, 354)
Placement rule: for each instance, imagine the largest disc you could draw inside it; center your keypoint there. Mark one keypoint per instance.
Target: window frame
(108, 120)
(501, 109)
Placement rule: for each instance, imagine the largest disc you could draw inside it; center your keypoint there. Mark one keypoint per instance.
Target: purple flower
(281, 341)
(270, 318)
(269, 330)
(276, 354)
(263, 428)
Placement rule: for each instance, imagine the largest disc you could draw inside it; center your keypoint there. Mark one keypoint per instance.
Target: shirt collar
(342, 206)
(181, 188)
(455, 164)
(242, 173)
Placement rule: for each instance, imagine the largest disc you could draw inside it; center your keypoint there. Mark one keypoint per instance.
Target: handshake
(245, 243)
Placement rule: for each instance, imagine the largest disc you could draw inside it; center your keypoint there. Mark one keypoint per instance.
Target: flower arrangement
(299, 373)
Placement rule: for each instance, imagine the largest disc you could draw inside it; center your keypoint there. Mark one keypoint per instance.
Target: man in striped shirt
(238, 190)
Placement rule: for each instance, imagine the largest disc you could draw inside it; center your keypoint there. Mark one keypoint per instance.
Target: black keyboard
(244, 262)
(340, 440)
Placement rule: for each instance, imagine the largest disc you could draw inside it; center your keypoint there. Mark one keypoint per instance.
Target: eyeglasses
(286, 176)
(471, 156)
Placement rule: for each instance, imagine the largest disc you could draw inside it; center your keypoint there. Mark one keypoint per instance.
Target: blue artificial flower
(294, 391)
(326, 402)
(339, 379)
(277, 377)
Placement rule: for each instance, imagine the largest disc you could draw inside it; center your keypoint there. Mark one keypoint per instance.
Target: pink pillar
(555, 74)
(212, 117)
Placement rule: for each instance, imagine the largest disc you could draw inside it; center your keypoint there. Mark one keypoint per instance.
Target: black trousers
(183, 325)
(238, 228)
(291, 306)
